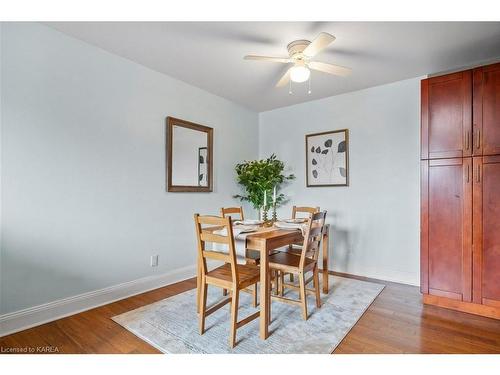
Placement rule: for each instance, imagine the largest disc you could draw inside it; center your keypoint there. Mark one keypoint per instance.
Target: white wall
(83, 169)
(376, 219)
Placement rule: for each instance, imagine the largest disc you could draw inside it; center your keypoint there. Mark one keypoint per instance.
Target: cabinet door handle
(467, 172)
(467, 137)
(478, 138)
(478, 176)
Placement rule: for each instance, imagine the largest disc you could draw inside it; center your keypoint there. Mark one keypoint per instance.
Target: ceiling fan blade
(284, 60)
(330, 68)
(284, 79)
(318, 44)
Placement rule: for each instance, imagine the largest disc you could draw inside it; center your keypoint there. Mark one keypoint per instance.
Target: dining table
(267, 239)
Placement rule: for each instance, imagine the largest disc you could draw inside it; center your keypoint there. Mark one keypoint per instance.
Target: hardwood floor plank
(396, 322)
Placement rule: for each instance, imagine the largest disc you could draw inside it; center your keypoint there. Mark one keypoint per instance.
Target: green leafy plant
(259, 176)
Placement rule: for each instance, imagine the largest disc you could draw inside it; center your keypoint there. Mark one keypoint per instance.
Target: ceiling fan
(301, 53)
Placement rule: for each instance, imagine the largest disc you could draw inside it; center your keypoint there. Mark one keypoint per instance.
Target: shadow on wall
(340, 244)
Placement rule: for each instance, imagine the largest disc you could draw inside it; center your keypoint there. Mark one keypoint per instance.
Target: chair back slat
(211, 220)
(309, 211)
(313, 237)
(216, 255)
(316, 231)
(205, 228)
(214, 238)
(230, 211)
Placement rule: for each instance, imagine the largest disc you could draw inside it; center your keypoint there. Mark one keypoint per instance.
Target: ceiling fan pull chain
(309, 91)
(290, 89)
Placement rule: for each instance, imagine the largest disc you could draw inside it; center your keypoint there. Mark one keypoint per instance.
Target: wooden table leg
(264, 294)
(325, 260)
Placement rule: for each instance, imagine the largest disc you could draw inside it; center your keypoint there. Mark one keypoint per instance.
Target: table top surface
(263, 232)
(271, 232)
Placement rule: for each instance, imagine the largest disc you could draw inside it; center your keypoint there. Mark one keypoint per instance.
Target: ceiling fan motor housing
(296, 48)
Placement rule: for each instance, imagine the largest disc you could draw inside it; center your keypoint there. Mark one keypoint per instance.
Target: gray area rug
(171, 325)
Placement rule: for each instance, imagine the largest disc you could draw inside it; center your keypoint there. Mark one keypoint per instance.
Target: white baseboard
(383, 274)
(48, 312)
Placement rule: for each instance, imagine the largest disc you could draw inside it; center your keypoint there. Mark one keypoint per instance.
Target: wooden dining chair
(251, 256)
(300, 265)
(297, 212)
(230, 211)
(231, 276)
(309, 211)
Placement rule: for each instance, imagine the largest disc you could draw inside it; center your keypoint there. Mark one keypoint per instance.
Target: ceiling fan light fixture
(299, 73)
(301, 54)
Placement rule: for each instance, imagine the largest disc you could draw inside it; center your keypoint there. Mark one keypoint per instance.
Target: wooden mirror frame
(171, 121)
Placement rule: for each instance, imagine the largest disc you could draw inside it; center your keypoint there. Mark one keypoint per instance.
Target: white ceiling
(209, 55)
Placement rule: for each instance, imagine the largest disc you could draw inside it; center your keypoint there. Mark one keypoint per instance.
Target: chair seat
(289, 262)
(247, 274)
(294, 249)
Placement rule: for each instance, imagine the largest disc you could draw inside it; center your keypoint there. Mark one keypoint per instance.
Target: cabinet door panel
(447, 116)
(477, 231)
(449, 225)
(487, 220)
(487, 110)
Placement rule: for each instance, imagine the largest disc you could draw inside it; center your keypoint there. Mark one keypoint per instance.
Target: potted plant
(261, 180)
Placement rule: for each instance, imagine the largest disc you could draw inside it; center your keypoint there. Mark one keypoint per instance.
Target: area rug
(171, 325)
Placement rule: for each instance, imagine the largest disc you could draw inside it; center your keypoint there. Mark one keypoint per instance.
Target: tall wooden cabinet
(460, 191)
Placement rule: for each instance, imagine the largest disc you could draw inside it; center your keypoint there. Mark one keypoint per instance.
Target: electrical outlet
(154, 260)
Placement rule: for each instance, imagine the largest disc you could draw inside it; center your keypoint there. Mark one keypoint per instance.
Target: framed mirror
(189, 156)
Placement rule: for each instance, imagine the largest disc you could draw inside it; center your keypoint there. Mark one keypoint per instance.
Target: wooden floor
(396, 322)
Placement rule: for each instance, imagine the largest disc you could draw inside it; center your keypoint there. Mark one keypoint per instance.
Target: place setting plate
(295, 221)
(248, 222)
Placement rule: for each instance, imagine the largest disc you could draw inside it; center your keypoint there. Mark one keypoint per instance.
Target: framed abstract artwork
(327, 158)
